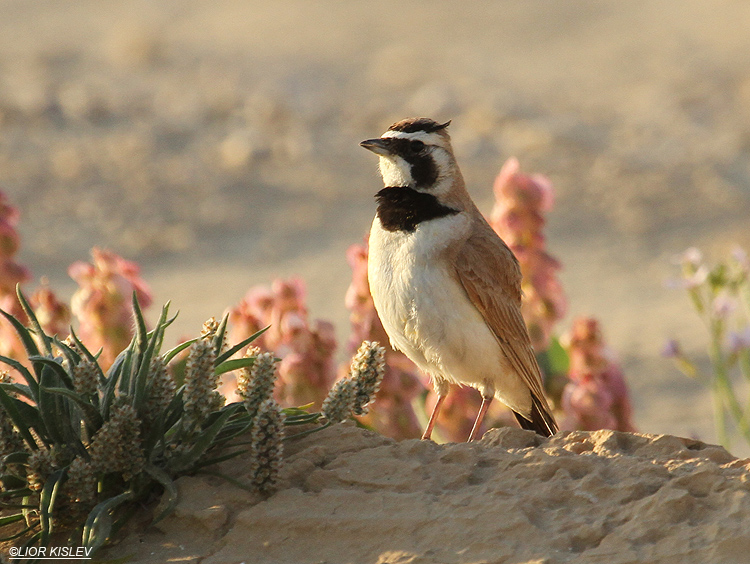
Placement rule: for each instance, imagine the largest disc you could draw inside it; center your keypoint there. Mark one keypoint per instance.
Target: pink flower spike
(102, 302)
(597, 396)
(306, 349)
(53, 315)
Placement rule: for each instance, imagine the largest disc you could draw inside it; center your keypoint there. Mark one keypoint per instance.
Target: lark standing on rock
(446, 287)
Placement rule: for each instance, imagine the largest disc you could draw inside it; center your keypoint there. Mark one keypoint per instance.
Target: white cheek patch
(445, 166)
(395, 171)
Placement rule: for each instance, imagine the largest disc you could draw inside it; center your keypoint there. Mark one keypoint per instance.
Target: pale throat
(395, 173)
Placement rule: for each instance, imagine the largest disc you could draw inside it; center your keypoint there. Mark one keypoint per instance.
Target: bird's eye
(416, 146)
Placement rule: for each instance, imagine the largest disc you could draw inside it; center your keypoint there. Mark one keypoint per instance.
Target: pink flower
(596, 396)
(53, 315)
(535, 191)
(9, 239)
(248, 317)
(11, 275)
(588, 405)
(307, 368)
(102, 303)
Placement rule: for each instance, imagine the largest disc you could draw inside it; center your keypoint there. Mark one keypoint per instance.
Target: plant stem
(723, 391)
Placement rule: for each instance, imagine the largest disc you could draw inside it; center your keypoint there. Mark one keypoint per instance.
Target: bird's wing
(489, 272)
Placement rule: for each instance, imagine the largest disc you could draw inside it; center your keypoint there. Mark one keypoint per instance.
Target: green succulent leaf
(234, 364)
(170, 354)
(19, 389)
(70, 355)
(203, 442)
(93, 419)
(299, 410)
(219, 336)
(49, 407)
(144, 362)
(19, 492)
(56, 367)
(7, 520)
(98, 525)
(140, 325)
(302, 419)
(47, 503)
(79, 344)
(11, 407)
(46, 340)
(170, 490)
(26, 339)
(31, 381)
(239, 346)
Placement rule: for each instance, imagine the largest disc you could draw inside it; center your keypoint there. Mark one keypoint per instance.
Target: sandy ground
(350, 496)
(216, 144)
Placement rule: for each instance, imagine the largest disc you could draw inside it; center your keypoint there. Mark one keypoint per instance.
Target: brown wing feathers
(478, 270)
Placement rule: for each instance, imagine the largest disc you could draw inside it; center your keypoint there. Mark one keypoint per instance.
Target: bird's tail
(540, 420)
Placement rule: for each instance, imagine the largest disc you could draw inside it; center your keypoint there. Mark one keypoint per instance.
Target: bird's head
(416, 153)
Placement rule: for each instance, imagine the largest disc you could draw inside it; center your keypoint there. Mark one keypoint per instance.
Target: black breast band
(401, 208)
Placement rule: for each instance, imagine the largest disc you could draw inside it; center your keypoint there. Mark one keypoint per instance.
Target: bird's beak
(378, 146)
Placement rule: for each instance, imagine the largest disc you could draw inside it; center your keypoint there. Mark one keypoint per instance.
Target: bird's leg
(486, 400)
(431, 423)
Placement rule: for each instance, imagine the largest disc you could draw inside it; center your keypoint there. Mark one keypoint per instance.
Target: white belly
(428, 315)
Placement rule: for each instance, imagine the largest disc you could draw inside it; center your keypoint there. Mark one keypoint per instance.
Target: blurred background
(216, 144)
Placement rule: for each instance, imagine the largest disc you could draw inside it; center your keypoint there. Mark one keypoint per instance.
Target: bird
(446, 287)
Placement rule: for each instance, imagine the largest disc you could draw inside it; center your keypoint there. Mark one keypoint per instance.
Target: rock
(350, 495)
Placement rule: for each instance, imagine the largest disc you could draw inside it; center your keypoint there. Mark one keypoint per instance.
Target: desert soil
(350, 496)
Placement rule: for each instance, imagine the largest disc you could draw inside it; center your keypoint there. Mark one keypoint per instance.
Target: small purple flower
(671, 349)
(739, 340)
(723, 306)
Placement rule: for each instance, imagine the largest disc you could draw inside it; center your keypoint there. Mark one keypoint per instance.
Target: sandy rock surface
(352, 496)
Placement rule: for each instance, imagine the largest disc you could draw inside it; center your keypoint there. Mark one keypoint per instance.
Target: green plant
(80, 445)
(80, 448)
(720, 295)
